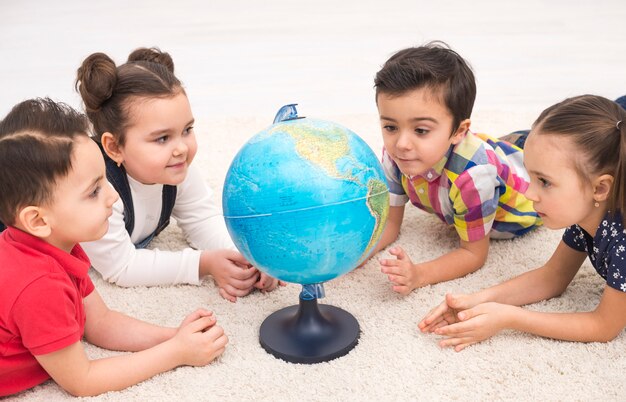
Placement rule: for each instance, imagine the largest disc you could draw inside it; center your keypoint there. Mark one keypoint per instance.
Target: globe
(305, 200)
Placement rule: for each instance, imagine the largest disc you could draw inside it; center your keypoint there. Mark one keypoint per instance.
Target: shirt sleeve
(115, 257)
(46, 315)
(198, 215)
(475, 195)
(575, 238)
(397, 195)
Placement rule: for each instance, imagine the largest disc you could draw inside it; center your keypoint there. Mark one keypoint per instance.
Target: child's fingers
(455, 329)
(385, 262)
(242, 273)
(201, 324)
(217, 336)
(396, 279)
(393, 269)
(237, 258)
(227, 296)
(458, 301)
(431, 326)
(242, 284)
(402, 289)
(462, 346)
(237, 292)
(454, 342)
(435, 313)
(195, 315)
(398, 252)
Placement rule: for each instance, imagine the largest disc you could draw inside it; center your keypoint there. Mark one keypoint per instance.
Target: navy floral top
(606, 250)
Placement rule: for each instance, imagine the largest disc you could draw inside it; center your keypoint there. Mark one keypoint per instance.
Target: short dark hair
(435, 66)
(108, 90)
(36, 143)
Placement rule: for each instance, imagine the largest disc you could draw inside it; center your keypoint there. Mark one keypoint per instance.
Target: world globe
(305, 200)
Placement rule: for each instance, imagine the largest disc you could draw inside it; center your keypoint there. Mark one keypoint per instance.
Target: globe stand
(309, 333)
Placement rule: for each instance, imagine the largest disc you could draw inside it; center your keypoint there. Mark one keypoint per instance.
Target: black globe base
(309, 333)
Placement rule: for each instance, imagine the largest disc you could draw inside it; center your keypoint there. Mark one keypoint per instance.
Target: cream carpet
(392, 361)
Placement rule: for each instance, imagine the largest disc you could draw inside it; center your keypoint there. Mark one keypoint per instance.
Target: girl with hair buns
(580, 187)
(143, 123)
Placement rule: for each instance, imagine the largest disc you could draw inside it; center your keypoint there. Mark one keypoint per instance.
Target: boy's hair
(597, 127)
(36, 142)
(108, 91)
(434, 66)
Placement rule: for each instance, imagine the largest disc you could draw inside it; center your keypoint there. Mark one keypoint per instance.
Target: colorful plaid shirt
(477, 186)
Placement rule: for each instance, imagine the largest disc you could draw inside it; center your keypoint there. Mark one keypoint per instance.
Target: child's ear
(112, 147)
(602, 187)
(461, 132)
(32, 220)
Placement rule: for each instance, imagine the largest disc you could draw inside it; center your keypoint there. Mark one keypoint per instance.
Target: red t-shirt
(41, 305)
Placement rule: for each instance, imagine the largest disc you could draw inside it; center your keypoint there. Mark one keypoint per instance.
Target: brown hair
(597, 127)
(435, 66)
(108, 91)
(36, 143)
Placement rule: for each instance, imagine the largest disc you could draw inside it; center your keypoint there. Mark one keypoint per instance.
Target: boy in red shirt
(54, 194)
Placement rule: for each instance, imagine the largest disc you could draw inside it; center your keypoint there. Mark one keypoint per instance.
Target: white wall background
(240, 57)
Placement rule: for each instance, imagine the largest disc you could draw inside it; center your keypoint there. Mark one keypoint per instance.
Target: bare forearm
(578, 327)
(529, 287)
(542, 283)
(120, 372)
(452, 265)
(118, 331)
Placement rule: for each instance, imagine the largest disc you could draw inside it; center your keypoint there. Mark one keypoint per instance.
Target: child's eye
(544, 183)
(162, 139)
(95, 192)
(188, 130)
(421, 131)
(389, 128)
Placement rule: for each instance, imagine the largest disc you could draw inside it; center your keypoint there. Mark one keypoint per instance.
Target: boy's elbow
(80, 389)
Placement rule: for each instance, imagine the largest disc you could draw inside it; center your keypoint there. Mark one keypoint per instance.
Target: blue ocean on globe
(305, 200)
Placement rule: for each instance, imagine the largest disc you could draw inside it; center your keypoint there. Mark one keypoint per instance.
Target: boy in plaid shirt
(425, 97)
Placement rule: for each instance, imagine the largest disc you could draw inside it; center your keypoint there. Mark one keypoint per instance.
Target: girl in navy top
(581, 186)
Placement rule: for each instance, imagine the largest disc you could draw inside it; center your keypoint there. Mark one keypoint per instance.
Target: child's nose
(404, 141)
(112, 196)
(181, 148)
(530, 193)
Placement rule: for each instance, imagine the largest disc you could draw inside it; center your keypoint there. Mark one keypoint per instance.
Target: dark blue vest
(117, 177)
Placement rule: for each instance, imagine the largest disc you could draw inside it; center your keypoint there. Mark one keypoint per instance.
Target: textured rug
(393, 360)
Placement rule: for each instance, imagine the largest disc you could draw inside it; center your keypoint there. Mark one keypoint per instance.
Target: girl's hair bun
(95, 80)
(152, 55)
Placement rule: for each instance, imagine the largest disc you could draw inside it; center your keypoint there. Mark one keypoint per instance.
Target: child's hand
(232, 273)
(267, 283)
(199, 340)
(446, 312)
(401, 272)
(475, 324)
(199, 313)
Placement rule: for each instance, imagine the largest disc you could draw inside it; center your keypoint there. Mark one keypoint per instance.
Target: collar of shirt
(75, 263)
(434, 172)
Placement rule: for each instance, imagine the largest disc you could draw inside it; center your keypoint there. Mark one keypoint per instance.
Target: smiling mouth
(177, 165)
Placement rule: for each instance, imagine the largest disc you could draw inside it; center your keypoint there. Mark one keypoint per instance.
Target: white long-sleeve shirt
(196, 213)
